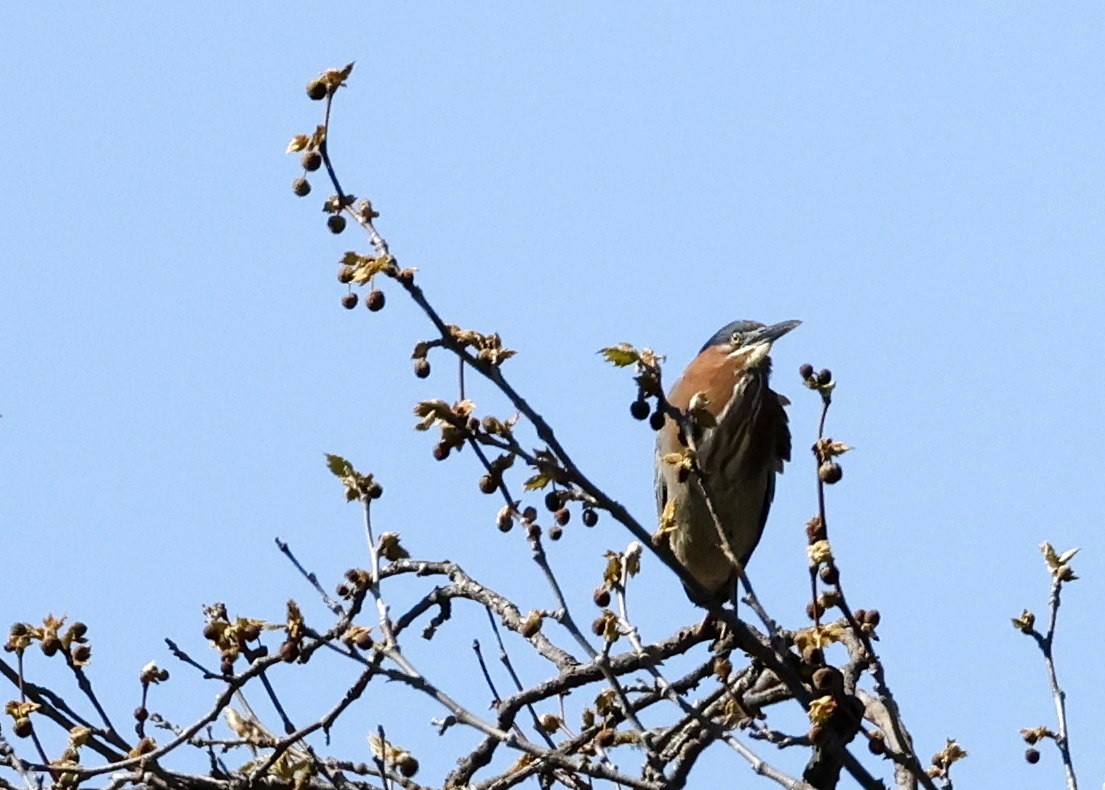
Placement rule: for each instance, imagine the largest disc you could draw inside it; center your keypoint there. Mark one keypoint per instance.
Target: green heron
(739, 455)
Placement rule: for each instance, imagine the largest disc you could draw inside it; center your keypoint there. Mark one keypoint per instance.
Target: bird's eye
(736, 338)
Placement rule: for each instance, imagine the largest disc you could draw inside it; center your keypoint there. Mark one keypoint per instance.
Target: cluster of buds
(944, 759)
(390, 754)
(357, 581)
(455, 422)
(1032, 736)
(232, 637)
(20, 712)
(52, 638)
(321, 87)
(358, 270)
(606, 626)
(294, 629)
(487, 348)
(867, 620)
(827, 450)
(811, 642)
(358, 636)
(647, 363)
(556, 502)
(833, 709)
(822, 380)
(358, 487)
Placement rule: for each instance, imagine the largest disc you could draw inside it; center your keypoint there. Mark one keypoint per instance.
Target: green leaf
(537, 482)
(339, 467)
(621, 355)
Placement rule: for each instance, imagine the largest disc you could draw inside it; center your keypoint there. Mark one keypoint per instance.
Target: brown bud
(556, 532)
(814, 610)
(553, 501)
(530, 513)
(504, 521)
(640, 409)
(22, 727)
(813, 656)
(817, 734)
(830, 472)
(289, 651)
(349, 301)
(408, 765)
(815, 530)
(336, 223)
(873, 618)
(829, 574)
(590, 517)
(656, 421)
(601, 597)
(828, 679)
(311, 161)
(81, 653)
(488, 484)
(78, 630)
(532, 625)
(375, 301)
(50, 645)
(1032, 755)
(302, 187)
(562, 516)
(598, 625)
(806, 371)
(316, 90)
(533, 531)
(141, 713)
(605, 737)
(422, 368)
(824, 376)
(345, 275)
(877, 744)
(441, 451)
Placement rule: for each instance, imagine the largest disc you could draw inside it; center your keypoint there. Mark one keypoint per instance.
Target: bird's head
(747, 343)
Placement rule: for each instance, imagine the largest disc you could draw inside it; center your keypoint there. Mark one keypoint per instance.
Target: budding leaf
(821, 709)
(621, 355)
(537, 482)
(298, 143)
(1025, 622)
(339, 467)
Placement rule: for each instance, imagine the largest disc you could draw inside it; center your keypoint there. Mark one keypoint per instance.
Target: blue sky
(922, 185)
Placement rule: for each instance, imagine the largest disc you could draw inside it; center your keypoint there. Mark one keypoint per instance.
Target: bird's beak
(769, 334)
(757, 345)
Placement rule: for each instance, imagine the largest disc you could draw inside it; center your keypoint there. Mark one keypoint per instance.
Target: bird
(739, 451)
